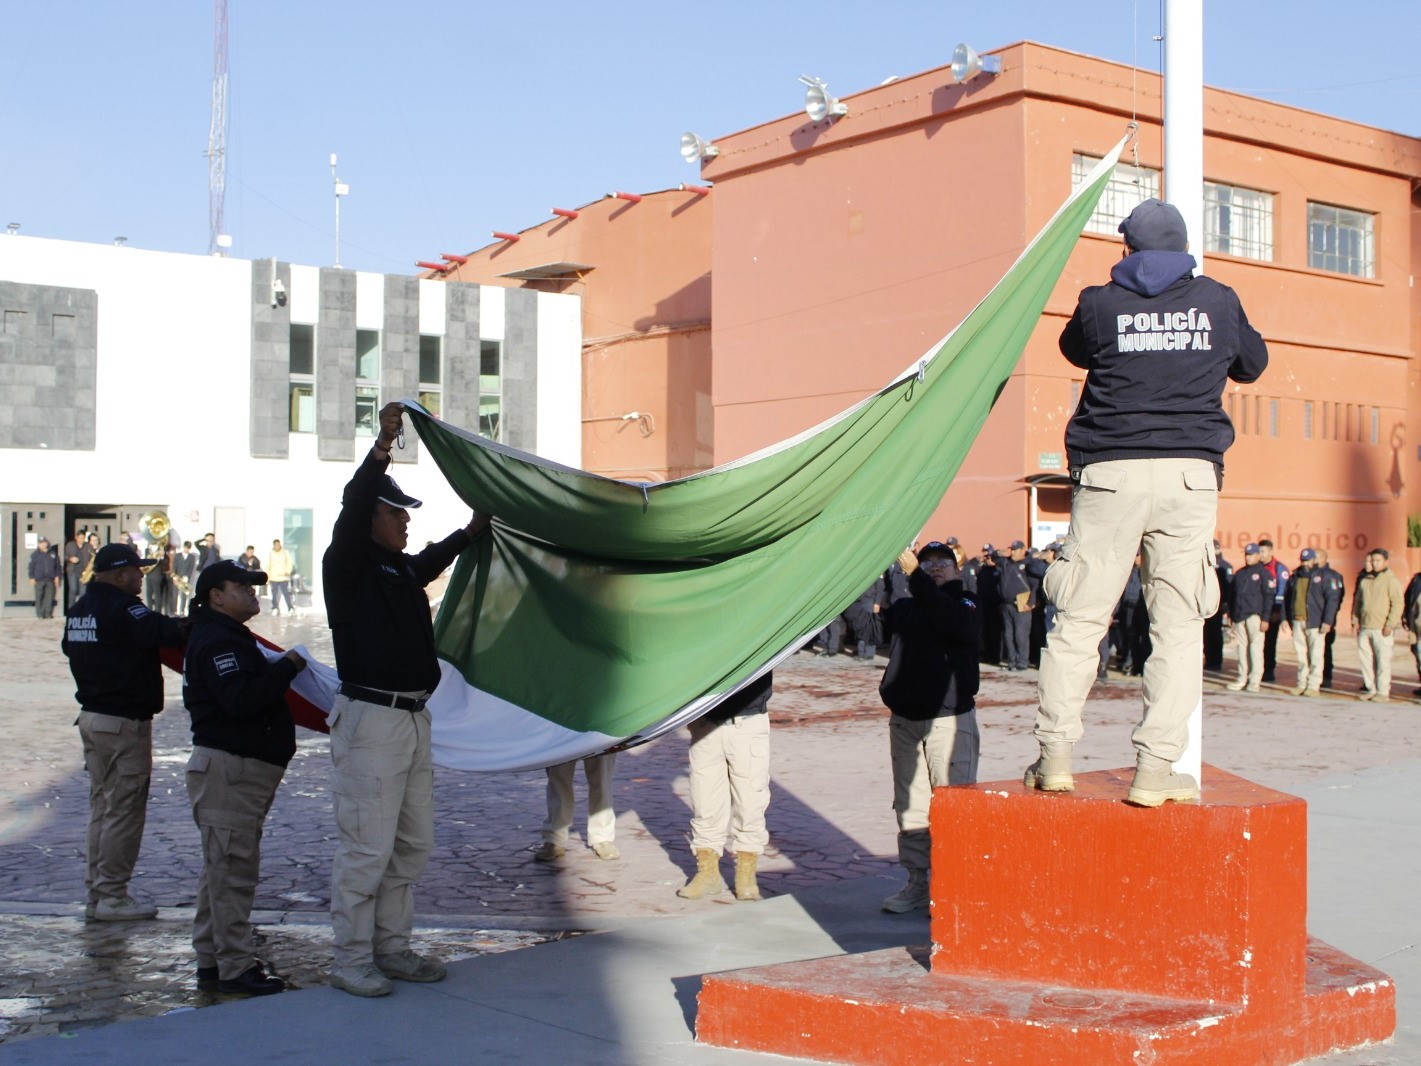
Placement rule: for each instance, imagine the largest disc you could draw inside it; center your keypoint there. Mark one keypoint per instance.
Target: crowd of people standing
(169, 572)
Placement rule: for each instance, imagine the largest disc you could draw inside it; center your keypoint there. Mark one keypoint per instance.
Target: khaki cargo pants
(601, 818)
(118, 753)
(383, 787)
(926, 755)
(1166, 509)
(230, 798)
(730, 783)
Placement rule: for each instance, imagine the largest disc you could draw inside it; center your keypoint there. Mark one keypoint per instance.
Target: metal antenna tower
(217, 239)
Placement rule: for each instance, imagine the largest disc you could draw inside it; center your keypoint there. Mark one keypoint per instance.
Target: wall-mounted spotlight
(13, 229)
(818, 104)
(693, 149)
(278, 292)
(967, 64)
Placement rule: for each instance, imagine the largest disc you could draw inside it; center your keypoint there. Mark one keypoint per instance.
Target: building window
(1307, 420)
(1340, 240)
(1123, 193)
(431, 377)
(63, 327)
(1238, 221)
(1272, 417)
(367, 382)
(302, 375)
(12, 323)
(1376, 424)
(490, 389)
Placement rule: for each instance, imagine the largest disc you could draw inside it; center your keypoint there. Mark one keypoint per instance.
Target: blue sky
(452, 119)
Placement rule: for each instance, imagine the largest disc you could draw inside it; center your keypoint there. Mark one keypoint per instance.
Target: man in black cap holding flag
(112, 642)
(242, 739)
(383, 781)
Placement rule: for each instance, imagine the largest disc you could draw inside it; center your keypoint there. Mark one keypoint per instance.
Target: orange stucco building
(830, 255)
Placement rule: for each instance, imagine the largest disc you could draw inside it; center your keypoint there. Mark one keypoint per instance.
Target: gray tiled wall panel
(520, 369)
(47, 377)
(335, 366)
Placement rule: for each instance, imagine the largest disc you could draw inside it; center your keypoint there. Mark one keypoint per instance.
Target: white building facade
(236, 396)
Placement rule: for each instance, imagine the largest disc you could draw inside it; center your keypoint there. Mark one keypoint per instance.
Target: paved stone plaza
(830, 821)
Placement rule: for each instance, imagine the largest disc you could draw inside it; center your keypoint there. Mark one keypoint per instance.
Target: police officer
(112, 642)
(1251, 607)
(242, 739)
(1280, 573)
(1016, 599)
(1146, 448)
(1313, 599)
(382, 781)
(987, 592)
(1214, 624)
(930, 685)
(730, 791)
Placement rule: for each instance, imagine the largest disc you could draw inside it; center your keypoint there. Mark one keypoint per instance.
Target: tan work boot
(707, 881)
(746, 887)
(120, 909)
(606, 850)
(914, 896)
(1051, 772)
(1156, 782)
(547, 851)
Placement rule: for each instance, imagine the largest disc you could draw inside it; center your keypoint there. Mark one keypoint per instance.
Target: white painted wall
(174, 352)
(560, 378)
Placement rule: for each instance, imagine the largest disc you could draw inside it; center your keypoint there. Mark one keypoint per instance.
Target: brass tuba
(156, 526)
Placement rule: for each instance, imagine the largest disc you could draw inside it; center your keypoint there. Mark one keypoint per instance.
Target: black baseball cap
(937, 547)
(226, 570)
(1014, 545)
(1155, 226)
(116, 556)
(386, 491)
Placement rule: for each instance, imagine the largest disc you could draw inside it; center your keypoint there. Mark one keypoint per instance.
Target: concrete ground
(613, 956)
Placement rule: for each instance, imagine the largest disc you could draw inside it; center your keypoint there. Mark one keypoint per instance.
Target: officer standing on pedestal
(1146, 448)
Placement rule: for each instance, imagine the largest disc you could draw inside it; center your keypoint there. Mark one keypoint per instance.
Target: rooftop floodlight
(967, 64)
(818, 104)
(693, 149)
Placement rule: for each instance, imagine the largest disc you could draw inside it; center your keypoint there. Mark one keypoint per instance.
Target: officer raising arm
(112, 641)
(1146, 448)
(242, 739)
(382, 780)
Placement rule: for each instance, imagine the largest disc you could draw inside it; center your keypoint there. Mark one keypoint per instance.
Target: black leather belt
(384, 699)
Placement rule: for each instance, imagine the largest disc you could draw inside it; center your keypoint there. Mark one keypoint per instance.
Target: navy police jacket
(1324, 600)
(237, 699)
(932, 658)
(1253, 593)
(1158, 346)
(375, 601)
(112, 641)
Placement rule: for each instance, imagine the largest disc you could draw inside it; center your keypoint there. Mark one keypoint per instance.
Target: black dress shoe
(206, 976)
(253, 983)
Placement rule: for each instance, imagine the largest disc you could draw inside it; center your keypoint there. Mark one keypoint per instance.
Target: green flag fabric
(598, 613)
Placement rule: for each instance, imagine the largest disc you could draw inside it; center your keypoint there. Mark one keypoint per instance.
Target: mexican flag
(599, 613)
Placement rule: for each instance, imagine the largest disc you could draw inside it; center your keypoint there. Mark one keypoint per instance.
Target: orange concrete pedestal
(1072, 928)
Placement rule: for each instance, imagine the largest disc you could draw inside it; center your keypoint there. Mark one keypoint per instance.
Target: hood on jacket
(1150, 273)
